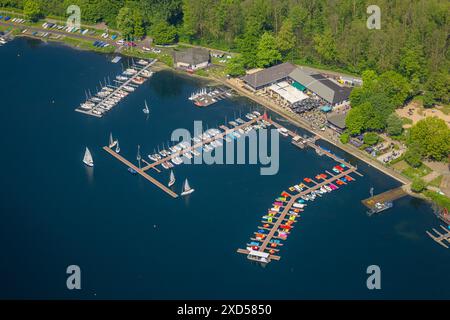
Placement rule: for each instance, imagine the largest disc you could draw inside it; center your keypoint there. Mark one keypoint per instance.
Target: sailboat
(172, 179)
(186, 188)
(112, 143)
(117, 146)
(88, 158)
(146, 110)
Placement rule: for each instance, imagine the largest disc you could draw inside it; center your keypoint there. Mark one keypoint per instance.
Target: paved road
(58, 32)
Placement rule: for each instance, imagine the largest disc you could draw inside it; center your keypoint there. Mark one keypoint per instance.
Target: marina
(185, 150)
(286, 210)
(110, 95)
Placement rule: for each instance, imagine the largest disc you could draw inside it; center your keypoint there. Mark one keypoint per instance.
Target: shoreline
(292, 118)
(296, 121)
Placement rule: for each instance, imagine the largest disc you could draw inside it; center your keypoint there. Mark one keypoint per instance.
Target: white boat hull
(185, 193)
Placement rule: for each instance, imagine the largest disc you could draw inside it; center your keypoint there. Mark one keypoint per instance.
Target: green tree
(394, 125)
(248, 47)
(235, 67)
(125, 22)
(371, 138)
(138, 28)
(345, 138)
(355, 121)
(432, 137)
(436, 88)
(412, 156)
(325, 46)
(163, 33)
(286, 39)
(418, 185)
(395, 87)
(32, 10)
(268, 53)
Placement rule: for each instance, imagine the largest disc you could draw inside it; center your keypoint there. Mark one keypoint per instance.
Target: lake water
(131, 240)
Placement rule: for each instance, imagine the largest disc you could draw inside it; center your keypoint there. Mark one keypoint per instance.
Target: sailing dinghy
(88, 158)
(186, 188)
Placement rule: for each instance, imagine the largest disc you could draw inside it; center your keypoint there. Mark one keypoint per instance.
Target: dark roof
(192, 56)
(337, 120)
(320, 85)
(269, 75)
(340, 93)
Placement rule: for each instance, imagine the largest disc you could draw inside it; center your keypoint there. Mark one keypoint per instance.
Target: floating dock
(265, 252)
(206, 98)
(442, 238)
(101, 107)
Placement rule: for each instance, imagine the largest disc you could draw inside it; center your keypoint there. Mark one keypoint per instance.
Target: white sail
(112, 143)
(172, 178)
(146, 110)
(88, 158)
(117, 146)
(186, 188)
(138, 156)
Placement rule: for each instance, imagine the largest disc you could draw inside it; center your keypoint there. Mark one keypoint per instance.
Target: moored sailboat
(112, 143)
(117, 146)
(87, 159)
(172, 179)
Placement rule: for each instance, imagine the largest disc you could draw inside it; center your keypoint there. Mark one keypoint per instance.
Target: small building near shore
(336, 121)
(192, 59)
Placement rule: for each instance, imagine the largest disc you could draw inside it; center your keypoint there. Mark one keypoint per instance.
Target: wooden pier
(200, 144)
(442, 238)
(141, 172)
(387, 196)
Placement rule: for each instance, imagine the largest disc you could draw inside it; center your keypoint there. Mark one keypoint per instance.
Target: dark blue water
(133, 241)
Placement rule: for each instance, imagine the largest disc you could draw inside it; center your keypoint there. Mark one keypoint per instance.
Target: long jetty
(200, 144)
(141, 172)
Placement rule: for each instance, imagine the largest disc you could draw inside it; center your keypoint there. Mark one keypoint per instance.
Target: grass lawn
(410, 172)
(401, 165)
(436, 182)
(419, 172)
(439, 199)
(445, 109)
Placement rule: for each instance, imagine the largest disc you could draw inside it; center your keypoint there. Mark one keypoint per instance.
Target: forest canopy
(412, 41)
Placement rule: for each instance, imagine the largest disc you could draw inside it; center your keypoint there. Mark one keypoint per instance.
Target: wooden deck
(387, 196)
